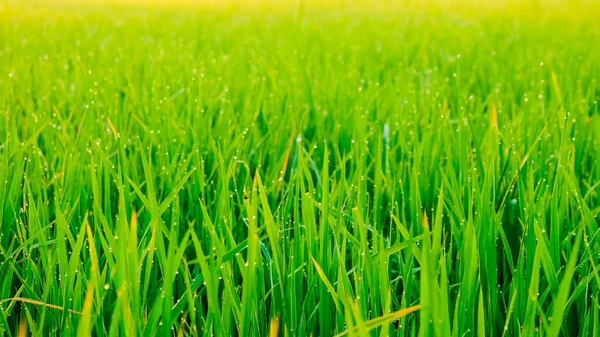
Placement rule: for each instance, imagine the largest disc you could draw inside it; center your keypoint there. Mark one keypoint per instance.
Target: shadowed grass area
(299, 168)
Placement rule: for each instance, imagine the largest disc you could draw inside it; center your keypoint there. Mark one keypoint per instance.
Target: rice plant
(300, 168)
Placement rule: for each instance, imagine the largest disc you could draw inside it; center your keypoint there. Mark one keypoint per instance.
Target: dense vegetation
(300, 169)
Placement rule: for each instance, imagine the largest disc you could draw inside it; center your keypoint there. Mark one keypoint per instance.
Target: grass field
(300, 168)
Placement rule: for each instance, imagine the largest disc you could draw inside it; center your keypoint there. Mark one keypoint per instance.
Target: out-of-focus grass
(299, 168)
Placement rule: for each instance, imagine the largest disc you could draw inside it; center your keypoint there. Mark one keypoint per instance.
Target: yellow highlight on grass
(22, 327)
(274, 327)
(385, 319)
(40, 303)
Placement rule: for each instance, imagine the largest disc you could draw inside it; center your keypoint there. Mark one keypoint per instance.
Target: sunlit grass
(287, 168)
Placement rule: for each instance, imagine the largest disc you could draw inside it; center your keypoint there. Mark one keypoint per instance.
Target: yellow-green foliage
(287, 168)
